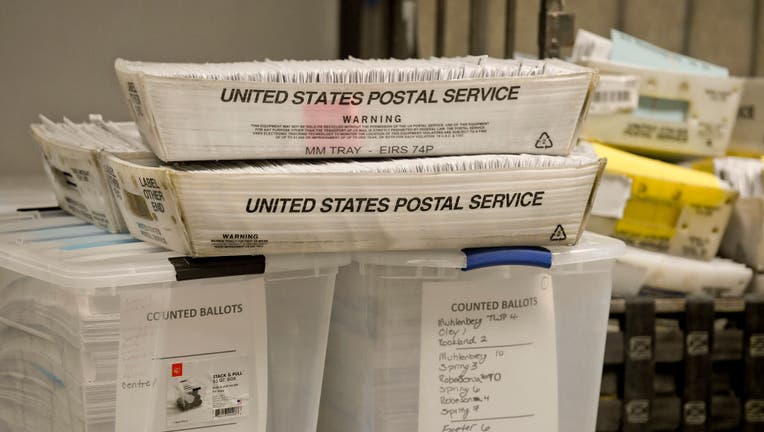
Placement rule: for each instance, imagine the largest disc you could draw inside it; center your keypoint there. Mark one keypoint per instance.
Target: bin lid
(66, 251)
(591, 247)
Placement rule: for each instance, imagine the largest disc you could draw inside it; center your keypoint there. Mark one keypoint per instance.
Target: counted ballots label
(191, 357)
(488, 357)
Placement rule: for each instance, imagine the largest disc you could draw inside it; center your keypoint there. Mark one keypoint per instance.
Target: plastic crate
(375, 354)
(63, 286)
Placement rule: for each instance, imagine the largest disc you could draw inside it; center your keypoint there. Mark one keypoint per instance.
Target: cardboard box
(374, 108)
(663, 207)
(71, 159)
(240, 208)
(743, 240)
(748, 134)
(710, 109)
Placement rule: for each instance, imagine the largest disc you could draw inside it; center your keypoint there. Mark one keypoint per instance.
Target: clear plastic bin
(23, 192)
(60, 286)
(374, 356)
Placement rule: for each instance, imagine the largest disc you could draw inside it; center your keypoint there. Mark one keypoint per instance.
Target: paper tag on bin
(488, 355)
(190, 357)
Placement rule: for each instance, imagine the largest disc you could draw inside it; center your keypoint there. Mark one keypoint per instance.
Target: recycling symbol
(558, 234)
(544, 142)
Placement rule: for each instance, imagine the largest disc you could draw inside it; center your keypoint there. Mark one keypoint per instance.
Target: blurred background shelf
(683, 364)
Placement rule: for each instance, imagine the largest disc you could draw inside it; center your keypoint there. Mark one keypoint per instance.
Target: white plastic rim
(591, 247)
(65, 251)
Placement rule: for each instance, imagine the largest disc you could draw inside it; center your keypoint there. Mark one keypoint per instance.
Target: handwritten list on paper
(488, 357)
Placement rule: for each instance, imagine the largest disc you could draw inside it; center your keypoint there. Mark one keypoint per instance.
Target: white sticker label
(614, 94)
(189, 357)
(612, 196)
(488, 356)
(200, 391)
(590, 45)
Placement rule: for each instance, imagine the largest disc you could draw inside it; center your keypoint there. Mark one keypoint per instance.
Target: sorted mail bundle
(743, 240)
(680, 107)
(660, 206)
(71, 156)
(101, 332)
(748, 135)
(239, 208)
(356, 108)
(656, 272)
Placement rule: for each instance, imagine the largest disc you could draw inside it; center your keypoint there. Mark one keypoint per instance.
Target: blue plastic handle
(510, 255)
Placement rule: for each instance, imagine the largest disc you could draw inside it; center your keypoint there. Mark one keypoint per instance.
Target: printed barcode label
(590, 45)
(615, 93)
(611, 96)
(584, 49)
(228, 412)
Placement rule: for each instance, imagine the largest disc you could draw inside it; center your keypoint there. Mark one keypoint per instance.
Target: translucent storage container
(64, 286)
(402, 322)
(24, 192)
